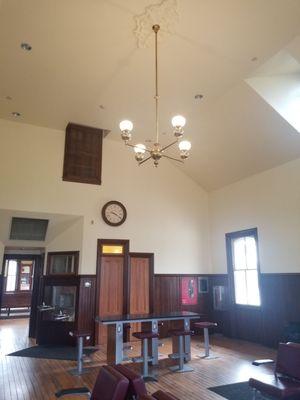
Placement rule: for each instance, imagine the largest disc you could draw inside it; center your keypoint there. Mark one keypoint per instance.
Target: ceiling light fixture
(16, 114)
(26, 46)
(157, 151)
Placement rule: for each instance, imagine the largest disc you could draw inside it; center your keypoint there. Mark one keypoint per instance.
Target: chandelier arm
(146, 159)
(134, 145)
(172, 158)
(169, 145)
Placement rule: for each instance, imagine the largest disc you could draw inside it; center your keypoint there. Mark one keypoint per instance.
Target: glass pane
(253, 295)
(240, 287)
(112, 249)
(12, 267)
(62, 300)
(251, 253)
(239, 254)
(62, 264)
(11, 276)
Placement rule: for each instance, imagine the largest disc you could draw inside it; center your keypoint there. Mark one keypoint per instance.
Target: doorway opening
(19, 287)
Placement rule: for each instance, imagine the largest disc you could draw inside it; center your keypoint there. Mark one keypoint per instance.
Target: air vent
(28, 229)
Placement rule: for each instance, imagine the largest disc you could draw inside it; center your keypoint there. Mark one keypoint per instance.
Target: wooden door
(141, 286)
(111, 290)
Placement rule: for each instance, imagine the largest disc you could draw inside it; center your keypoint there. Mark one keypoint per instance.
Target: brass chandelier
(157, 151)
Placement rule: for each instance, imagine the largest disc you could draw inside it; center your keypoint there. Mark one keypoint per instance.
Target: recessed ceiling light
(26, 46)
(16, 114)
(198, 96)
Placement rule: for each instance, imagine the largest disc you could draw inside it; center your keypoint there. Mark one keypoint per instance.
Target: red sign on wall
(189, 291)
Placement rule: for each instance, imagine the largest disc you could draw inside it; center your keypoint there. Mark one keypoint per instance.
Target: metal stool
(181, 355)
(79, 336)
(205, 326)
(144, 336)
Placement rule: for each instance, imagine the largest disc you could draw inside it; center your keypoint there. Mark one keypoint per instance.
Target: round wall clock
(114, 213)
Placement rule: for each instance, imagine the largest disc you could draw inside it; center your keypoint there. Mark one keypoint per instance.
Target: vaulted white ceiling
(85, 67)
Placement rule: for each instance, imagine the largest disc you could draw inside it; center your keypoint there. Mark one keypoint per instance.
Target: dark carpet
(237, 391)
(53, 352)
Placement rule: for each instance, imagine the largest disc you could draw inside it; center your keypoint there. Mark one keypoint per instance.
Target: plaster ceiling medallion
(165, 14)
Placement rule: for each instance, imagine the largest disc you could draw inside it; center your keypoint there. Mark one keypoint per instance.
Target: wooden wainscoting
(167, 297)
(280, 297)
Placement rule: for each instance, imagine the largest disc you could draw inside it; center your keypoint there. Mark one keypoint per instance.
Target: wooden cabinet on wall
(83, 154)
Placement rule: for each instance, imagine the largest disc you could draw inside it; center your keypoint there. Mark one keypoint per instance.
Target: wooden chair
(285, 383)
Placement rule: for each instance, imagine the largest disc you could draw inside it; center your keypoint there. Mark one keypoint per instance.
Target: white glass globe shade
(140, 148)
(178, 121)
(126, 125)
(185, 145)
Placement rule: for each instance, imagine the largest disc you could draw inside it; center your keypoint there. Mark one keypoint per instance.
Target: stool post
(187, 340)
(181, 353)
(145, 357)
(79, 355)
(206, 342)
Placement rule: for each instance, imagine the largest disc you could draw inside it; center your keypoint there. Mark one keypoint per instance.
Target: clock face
(114, 213)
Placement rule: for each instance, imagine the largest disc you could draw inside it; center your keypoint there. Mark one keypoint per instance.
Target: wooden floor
(36, 379)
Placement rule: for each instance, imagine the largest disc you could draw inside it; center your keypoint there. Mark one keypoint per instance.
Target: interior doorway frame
(35, 293)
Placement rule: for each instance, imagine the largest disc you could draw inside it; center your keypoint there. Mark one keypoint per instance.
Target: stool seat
(77, 334)
(180, 332)
(145, 335)
(206, 324)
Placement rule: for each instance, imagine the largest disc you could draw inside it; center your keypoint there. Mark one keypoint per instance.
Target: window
(243, 267)
(62, 263)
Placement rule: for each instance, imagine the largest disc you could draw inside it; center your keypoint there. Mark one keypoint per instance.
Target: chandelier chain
(156, 84)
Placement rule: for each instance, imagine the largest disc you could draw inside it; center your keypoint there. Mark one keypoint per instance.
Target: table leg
(154, 328)
(187, 340)
(119, 343)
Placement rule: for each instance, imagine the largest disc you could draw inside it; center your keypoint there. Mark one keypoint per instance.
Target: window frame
(229, 237)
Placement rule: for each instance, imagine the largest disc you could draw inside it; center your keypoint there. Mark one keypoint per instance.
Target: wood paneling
(168, 298)
(280, 296)
(86, 305)
(111, 290)
(83, 154)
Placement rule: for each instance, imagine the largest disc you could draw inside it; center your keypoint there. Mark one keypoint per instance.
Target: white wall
(167, 211)
(269, 201)
(70, 239)
(1, 255)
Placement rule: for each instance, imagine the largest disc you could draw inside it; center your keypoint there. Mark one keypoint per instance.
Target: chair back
(110, 385)
(288, 360)
(136, 386)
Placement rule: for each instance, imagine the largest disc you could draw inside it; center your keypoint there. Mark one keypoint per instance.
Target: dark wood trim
(125, 243)
(150, 256)
(61, 253)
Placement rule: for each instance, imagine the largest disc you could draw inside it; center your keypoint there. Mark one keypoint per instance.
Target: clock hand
(117, 215)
